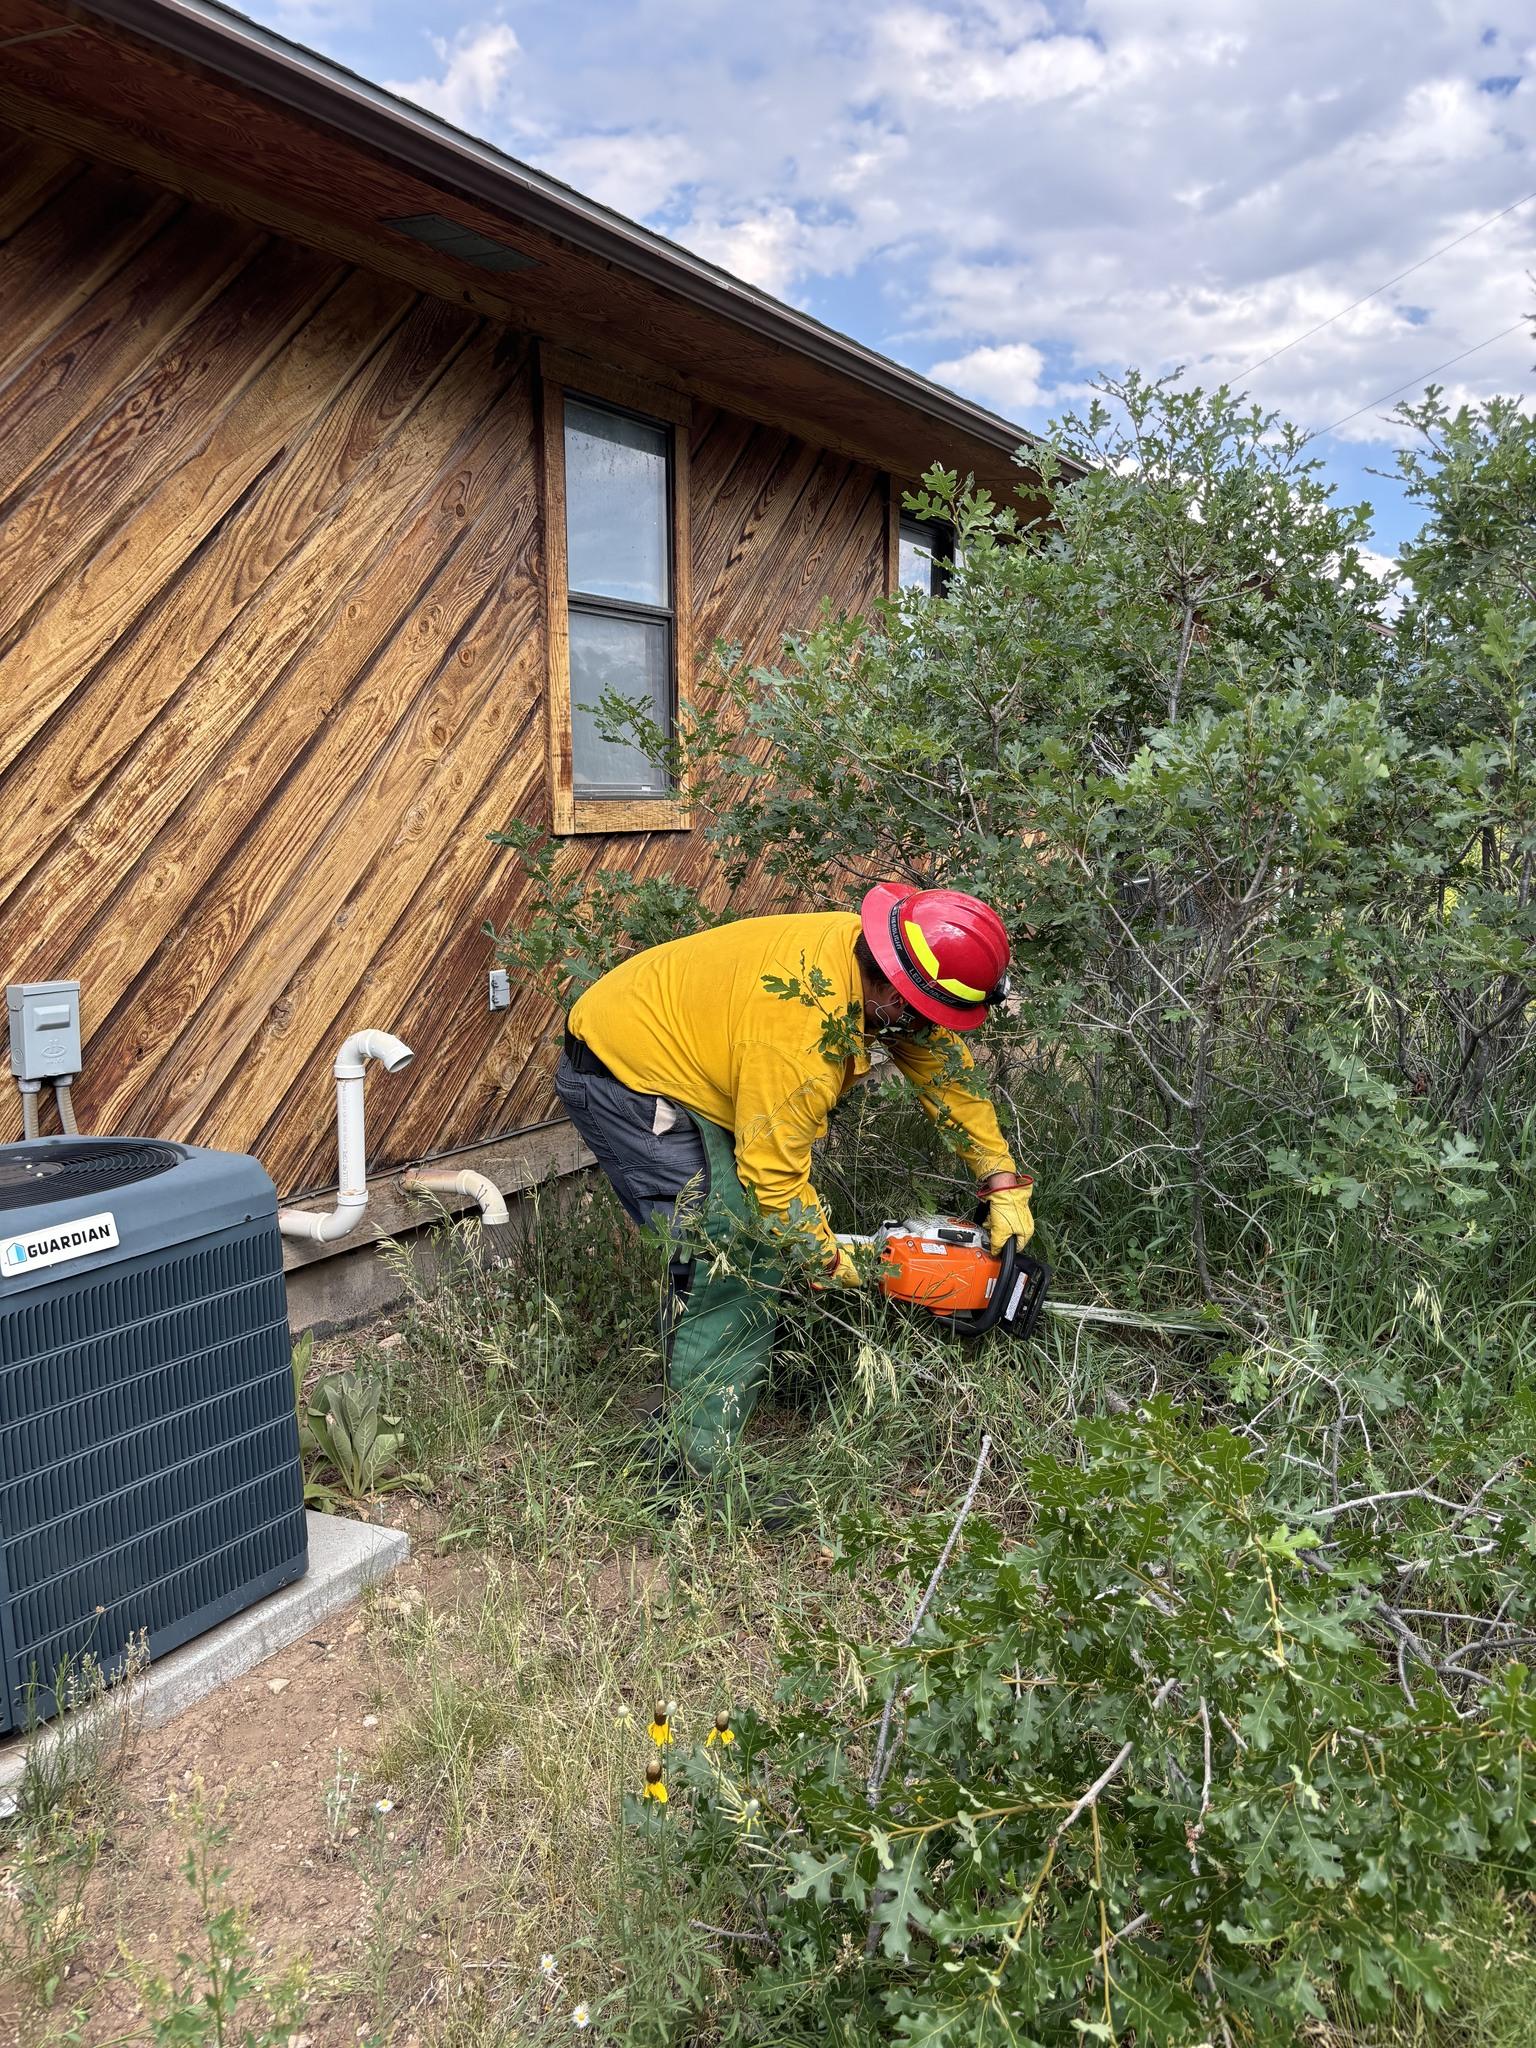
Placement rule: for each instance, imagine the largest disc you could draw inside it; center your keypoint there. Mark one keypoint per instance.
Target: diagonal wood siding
(272, 662)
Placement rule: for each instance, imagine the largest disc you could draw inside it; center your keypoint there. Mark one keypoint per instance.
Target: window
(925, 555)
(618, 550)
(616, 537)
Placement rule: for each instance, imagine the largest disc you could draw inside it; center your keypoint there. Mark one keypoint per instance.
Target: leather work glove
(843, 1271)
(1009, 1214)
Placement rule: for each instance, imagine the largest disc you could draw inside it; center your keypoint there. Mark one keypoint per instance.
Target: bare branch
(881, 1764)
(731, 1933)
(1372, 1500)
(1131, 1927)
(1111, 1770)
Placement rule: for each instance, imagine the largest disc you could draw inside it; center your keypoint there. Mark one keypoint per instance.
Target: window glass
(616, 506)
(633, 657)
(924, 558)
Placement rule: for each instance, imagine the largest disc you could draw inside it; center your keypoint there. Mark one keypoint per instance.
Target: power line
(1423, 378)
(1376, 294)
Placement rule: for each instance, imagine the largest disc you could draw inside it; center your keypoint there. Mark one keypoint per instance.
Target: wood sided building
(339, 456)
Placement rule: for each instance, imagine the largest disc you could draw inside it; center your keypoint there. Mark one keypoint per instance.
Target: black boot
(779, 1512)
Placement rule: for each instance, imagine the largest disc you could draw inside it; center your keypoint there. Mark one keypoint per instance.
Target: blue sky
(1014, 196)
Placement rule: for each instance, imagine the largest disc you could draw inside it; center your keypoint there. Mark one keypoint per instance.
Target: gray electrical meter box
(44, 1018)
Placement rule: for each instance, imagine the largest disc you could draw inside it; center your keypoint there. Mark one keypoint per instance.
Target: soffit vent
(452, 238)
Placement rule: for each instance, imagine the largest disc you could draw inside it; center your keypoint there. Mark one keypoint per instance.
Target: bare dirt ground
(266, 1750)
(395, 1929)
(266, 1747)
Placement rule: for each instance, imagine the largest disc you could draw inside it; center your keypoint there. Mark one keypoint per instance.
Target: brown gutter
(260, 61)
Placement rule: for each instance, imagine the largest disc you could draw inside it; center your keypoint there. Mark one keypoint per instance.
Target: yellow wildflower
(661, 1726)
(722, 1732)
(654, 1787)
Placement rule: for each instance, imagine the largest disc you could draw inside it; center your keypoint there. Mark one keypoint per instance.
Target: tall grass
(57, 1829)
(526, 1380)
(523, 1391)
(525, 1385)
(518, 1725)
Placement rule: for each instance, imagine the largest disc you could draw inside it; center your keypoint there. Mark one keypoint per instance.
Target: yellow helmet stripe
(927, 959)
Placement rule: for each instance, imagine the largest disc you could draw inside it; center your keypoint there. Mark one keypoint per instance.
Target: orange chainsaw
(946, 1266)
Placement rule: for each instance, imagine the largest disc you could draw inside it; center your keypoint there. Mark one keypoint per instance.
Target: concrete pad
(344, 1557)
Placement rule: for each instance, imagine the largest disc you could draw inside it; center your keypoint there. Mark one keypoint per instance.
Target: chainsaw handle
(977, 1322)
(1012, 1263)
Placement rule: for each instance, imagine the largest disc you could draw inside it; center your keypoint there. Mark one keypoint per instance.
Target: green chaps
(721, 1341)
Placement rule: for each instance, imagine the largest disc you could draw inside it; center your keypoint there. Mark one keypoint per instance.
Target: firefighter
(712, 1064)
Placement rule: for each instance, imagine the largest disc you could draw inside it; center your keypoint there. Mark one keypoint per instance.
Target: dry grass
(479, 1703)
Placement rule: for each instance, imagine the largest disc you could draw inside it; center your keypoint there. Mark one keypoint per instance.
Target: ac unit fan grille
(49, 1172)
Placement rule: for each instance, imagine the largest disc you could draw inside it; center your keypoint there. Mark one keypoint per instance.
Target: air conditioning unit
(149, 1458)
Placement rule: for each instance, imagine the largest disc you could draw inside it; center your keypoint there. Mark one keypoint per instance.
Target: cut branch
(882, 1760)
(731, 1933)
(1112, 1769)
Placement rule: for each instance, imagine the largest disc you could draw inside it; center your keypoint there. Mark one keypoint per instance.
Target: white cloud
(1442, 123)
(470, 90)
(773, 247)
(937, 57)
(636, 173)
(766, 248)
(1396, 587)
(1007, 375)
(1026, 193)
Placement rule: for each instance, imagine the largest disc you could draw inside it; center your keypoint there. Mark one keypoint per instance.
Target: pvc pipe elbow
(351, 1147)
(392, 1054)
(314, 1228)
(444, 1180)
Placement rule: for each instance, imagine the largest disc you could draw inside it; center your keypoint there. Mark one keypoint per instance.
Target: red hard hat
(946, 953)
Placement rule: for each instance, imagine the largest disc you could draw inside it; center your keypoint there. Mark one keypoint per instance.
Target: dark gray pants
(648, 1168)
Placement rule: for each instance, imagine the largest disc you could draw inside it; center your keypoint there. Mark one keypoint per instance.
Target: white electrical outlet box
(501, 989)
(44, 1017)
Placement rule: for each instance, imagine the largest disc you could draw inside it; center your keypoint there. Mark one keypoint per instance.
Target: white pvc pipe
(445, 1181)
(351, 1148)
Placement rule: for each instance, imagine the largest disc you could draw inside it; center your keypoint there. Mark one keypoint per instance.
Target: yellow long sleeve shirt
(692, 1021)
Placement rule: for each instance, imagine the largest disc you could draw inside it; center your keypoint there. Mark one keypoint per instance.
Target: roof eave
(260, 61)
